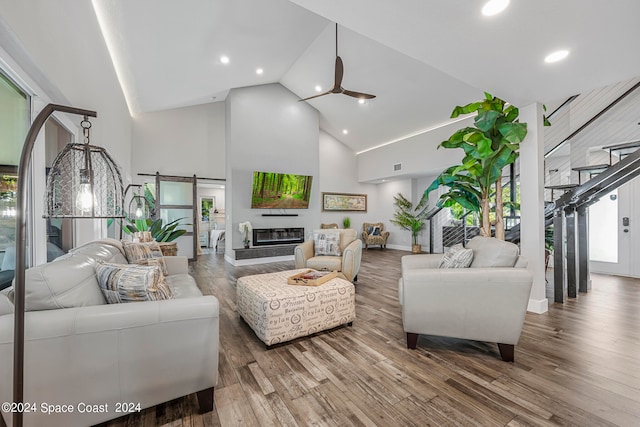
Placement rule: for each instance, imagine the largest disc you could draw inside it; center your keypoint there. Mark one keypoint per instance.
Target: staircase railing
(460, 231)
(591, 120)
(570, 214)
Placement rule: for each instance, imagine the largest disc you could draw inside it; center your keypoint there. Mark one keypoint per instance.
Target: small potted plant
(346, 222)
(410, 219)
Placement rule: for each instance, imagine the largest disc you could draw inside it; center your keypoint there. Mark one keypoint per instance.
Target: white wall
(181, 141)
(417, 154)
(64, 40)
(338, 174)
(58, 48)
(268, 130)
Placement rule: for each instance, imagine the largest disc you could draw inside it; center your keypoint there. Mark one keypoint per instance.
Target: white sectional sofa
(81, 351)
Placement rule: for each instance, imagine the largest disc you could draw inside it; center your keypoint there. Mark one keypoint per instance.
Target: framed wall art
(336, 202)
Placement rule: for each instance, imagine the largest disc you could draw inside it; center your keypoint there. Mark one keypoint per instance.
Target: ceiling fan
(337, 85)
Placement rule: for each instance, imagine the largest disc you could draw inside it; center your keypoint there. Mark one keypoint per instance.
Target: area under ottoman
(279, 312)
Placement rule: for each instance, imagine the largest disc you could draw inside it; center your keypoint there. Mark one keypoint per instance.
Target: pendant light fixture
(84, 182)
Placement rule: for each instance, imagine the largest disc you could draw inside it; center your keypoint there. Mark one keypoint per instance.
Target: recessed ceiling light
(493, 7)
(224, 59)
(259, 71)
(361, 101)
(556, 56)
(318, 88)
(345, 131)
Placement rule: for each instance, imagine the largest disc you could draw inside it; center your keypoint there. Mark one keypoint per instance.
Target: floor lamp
(84, 182)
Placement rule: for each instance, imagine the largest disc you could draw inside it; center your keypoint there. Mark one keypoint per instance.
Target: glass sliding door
(176, 200)
(14, 123)
(59, 233)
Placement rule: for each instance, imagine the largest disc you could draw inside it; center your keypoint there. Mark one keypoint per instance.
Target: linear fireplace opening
(277, 236)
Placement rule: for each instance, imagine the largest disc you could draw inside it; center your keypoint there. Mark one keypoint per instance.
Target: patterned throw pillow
(136, 251)
(132, 282)
(376, 231)
(327, 243)
(158, 262)
(456, 257)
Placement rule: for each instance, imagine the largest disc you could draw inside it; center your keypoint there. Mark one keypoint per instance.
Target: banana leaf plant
(489, 146)
(161, 233)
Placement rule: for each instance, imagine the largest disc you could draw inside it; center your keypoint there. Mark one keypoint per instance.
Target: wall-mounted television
(273, 190)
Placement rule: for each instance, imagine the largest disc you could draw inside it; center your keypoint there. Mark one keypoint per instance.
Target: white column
(532, 203)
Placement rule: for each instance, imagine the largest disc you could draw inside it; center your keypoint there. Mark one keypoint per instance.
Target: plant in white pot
(409, 218)
(245, 228)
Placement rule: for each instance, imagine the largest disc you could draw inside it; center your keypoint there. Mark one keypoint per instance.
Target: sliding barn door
(176, 199)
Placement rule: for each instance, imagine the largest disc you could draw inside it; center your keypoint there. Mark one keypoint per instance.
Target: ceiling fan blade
(339, 74)
(315, 96)
(337, 82)
(358, 94)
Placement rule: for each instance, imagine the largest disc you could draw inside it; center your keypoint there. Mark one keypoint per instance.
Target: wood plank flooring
(578, 364)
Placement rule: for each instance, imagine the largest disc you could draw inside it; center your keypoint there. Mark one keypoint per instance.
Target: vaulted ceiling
(420, 57)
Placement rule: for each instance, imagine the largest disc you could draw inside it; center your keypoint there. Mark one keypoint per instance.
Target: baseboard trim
(398, 247)
(538, 306)
(255, 261)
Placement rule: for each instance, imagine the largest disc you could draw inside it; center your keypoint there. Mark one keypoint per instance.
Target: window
(14, 123)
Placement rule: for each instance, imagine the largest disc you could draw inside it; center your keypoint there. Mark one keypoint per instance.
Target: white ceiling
(420, 57)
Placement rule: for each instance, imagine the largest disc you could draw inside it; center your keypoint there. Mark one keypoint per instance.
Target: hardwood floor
(577, 364)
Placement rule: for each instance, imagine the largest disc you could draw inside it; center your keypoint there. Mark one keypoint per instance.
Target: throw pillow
(370, 229)
(492, 252)
(456, 257)
(135, 251)
(327, 243)
(131, 282)
(158, 262)
(376, 231)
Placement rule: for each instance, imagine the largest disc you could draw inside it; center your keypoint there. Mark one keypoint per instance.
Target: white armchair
(486, 302)
(348, 262)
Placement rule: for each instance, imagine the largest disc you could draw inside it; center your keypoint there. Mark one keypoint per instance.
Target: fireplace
(277, 236)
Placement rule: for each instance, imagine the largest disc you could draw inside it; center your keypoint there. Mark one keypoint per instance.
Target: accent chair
(373, 234)
(339, 250)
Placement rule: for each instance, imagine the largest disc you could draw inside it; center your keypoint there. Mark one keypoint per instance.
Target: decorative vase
(169, 248)
(416, 249)
(246, 244)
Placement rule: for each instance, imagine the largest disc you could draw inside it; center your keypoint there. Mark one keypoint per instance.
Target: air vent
(397, 167)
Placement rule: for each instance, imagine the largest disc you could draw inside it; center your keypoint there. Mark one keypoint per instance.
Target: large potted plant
(159, 231)
(164, 234)
(489, 146)
(409, 218)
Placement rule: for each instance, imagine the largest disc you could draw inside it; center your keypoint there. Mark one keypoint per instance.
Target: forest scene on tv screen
(280, 191)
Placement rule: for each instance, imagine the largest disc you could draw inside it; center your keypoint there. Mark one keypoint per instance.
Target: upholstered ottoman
(279, 312)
